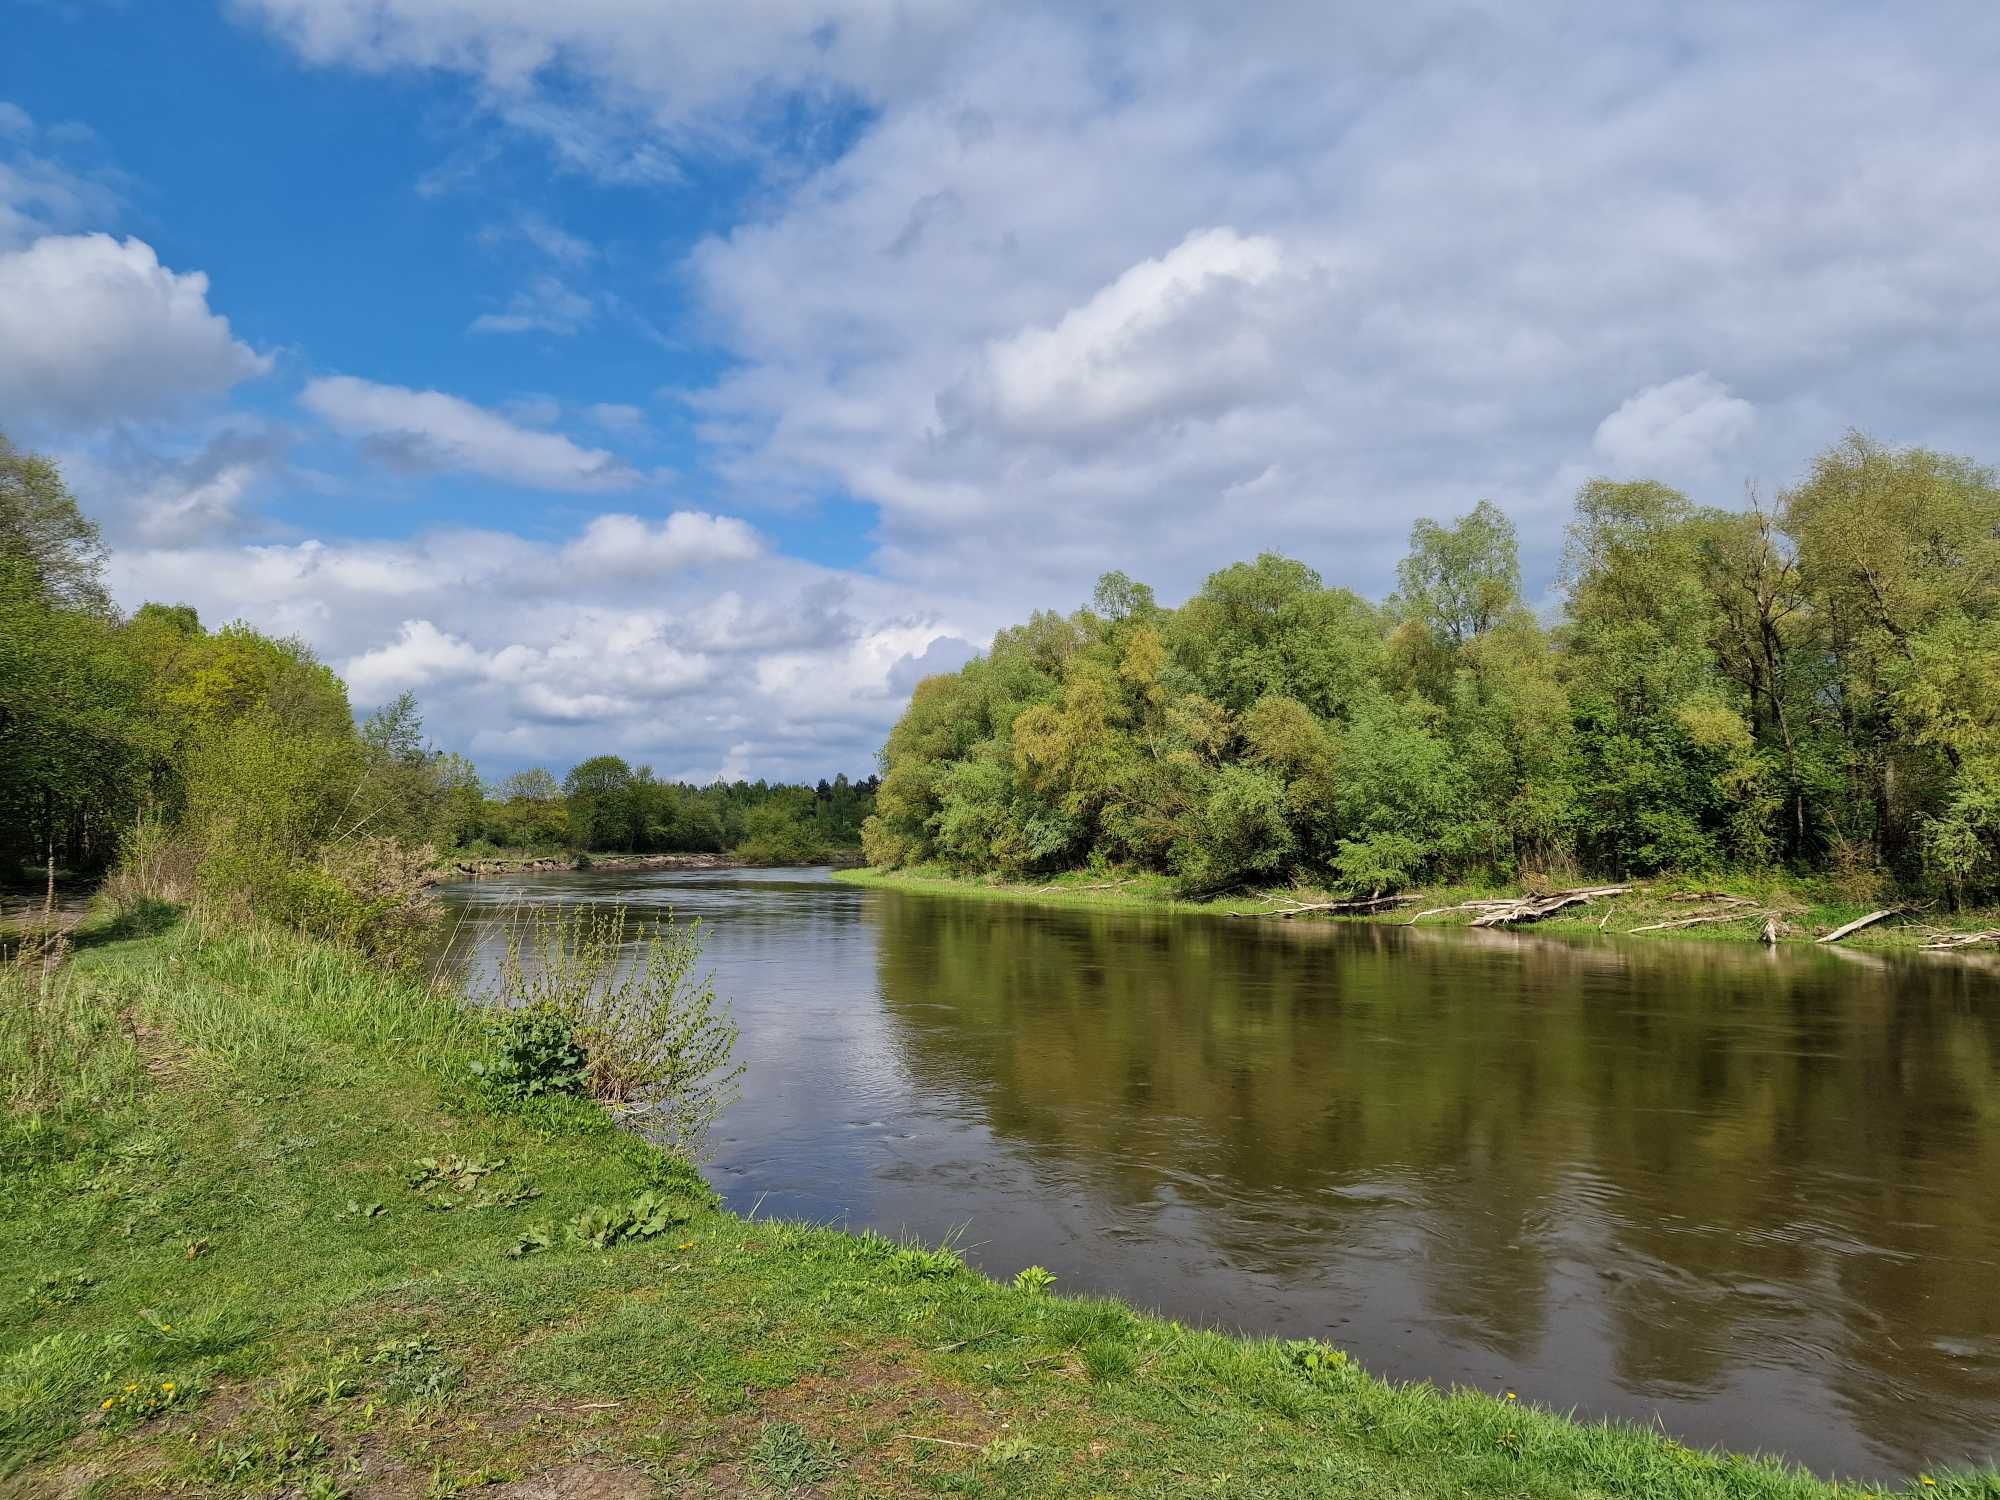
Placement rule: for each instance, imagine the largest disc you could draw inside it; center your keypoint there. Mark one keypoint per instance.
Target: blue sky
(687, 380)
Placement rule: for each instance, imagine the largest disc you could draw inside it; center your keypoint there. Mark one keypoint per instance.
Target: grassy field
(1805, 912)
(262, 1237)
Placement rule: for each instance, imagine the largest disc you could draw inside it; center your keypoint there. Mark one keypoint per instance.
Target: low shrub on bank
(651, 1031)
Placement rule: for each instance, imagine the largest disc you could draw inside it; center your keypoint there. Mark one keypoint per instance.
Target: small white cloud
(94, 329)
(433, 430)
(545, 306)
(420, 654)
(15, 120)
(1181, 334)
(1676, 426)
(627, 545)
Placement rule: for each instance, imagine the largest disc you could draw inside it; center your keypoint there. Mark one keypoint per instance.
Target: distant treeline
(228, 763)
(1811, 684)
(604, 804)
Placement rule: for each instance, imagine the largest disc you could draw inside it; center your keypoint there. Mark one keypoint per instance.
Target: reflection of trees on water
(1759, 1158)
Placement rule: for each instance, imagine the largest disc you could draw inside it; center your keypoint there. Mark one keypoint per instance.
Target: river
(1752, 1197)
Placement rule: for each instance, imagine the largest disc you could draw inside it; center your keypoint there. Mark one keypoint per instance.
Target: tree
(599, 795)
(1459, 581)
(536, 784)
(41, 527)
(1900, 550)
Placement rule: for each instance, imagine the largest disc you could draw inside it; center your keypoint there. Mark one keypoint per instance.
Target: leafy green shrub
(652, 1033)
(600, 1227)
(1034, 1279)
(1320, 1363)
(914, 1263)
(533, 1051)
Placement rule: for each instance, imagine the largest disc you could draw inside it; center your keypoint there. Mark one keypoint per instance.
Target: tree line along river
(1750, 1196)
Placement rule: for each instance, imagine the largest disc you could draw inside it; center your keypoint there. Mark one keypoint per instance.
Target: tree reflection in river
(1697, 1166)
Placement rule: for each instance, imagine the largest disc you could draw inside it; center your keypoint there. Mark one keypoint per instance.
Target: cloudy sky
(688, 379)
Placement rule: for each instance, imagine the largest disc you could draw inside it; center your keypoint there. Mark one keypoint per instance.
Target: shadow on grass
(143, 918)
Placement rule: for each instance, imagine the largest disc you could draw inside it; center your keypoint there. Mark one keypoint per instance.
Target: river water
(1750, 1196)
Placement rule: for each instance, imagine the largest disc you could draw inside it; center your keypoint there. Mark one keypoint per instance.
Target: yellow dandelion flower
(166, 1328)
(1926, 1479)
(166, 1385)
(108, 1404)
(130, 1389)
(1510, 1395)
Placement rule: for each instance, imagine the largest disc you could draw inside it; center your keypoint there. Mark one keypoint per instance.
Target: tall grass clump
(61, 1042)
(259, 990)
(585, 1002)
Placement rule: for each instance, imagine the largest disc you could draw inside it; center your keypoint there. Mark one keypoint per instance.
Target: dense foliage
(607, 805)
(1815, 684)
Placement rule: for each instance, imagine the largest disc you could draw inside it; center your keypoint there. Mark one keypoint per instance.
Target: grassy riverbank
(263, 1238)
(1805, 912)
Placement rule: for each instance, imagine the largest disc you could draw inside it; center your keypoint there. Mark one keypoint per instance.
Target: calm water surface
(1751, 1196)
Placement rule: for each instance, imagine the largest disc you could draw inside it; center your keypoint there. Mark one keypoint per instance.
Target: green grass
(1807, 910)
(191, 1196)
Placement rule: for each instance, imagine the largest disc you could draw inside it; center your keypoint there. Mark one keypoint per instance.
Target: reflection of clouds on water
(1695, 1182)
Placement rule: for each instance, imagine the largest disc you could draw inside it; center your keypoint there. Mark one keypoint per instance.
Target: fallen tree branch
(1711, 916)
(1535, 908)
(1462, 906)
(1963, 939)
(1860, 922)
(1370, 903)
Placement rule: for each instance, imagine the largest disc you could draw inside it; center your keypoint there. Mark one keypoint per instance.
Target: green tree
(599, 794)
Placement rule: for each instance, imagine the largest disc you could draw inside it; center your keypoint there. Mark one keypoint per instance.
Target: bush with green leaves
(532, 1052)
(1035, 1280)
(653, 1035)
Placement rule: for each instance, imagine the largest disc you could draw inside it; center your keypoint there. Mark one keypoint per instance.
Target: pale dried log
(1860, 922)
(1963, 940)
(1462, 906)
(1713, 916)
(1371, 903)
(1535, 908)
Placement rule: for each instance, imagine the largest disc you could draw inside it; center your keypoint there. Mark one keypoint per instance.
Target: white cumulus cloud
(621, 544)
(434, 430)
(1178, 335)
(1675, 426)
(94, 329)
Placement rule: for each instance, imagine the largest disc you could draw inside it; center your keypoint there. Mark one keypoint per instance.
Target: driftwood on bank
(1713, 916)
(1963, 939)
(1535, 908)
(1300, 908)
(1860, 922)
(1723, 908)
